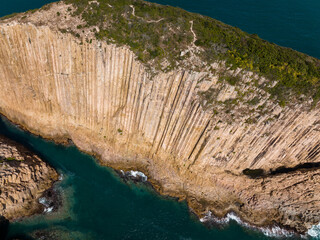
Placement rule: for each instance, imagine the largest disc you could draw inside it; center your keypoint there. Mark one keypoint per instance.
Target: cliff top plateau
(212, 115)
(166, 38)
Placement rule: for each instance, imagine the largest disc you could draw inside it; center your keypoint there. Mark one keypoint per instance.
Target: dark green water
(99, 205)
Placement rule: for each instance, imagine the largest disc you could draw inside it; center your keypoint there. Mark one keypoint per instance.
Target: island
(210, 114)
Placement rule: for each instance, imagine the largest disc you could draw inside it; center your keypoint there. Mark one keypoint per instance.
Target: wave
(47, 204)
(135, 175)
(273, 231)
(61, 177)
(314, 231)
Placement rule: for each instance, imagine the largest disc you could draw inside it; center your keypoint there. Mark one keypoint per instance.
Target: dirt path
(194, 35)
(150, 21)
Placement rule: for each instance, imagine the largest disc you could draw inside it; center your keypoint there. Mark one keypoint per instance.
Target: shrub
(294, 72)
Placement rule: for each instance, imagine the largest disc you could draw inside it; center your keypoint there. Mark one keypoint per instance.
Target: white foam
(314, 231)
(210, 217)
(46, 205)
(274, 231)
(47, 210)
(61, 177)
(138, 174)
(43, 201)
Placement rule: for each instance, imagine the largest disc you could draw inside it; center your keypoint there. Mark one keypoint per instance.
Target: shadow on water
(4, 226)
(105, 208)
(4, 229)
(100, 205)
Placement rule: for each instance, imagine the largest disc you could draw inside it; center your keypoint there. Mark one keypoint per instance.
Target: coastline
(179, 144)
(201, 210)
(65, 103)
(25, 178)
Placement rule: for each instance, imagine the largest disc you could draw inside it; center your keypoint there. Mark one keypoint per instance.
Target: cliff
(199, 135)
(23, 177)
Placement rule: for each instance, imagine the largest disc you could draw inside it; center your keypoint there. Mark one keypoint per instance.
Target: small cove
(98, 204)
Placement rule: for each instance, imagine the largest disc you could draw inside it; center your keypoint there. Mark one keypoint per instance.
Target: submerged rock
(51, 200)
(211, 134)
(59, 233)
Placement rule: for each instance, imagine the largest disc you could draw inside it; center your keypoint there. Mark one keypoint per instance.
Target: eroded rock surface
(23, 179)
(192, 133)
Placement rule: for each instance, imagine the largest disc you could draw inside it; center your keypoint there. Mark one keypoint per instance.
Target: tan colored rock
(23, 179)
(106, 102)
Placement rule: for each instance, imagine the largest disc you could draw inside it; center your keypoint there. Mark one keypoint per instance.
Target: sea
(98, 204)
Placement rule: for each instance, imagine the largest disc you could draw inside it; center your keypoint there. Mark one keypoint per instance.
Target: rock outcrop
(187, 130)
(23, 179)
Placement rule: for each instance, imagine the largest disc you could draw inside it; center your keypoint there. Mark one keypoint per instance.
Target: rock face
(23, 179)
(101, 97)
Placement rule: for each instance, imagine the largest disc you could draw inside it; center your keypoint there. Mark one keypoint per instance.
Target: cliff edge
(220, 118)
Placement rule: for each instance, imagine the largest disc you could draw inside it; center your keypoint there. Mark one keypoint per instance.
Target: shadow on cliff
(260, 173)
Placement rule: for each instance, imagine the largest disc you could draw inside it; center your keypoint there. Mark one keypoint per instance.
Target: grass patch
(157, 33)
(232, 80)
(9, 16)
(254, 101)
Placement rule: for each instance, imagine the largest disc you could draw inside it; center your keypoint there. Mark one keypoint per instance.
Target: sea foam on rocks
(134, 175)
(47, 204)
(274, 231)
(314, 231)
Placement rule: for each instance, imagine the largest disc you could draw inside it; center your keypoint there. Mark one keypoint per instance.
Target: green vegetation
(166, 39)
(250, 120)
(232, 80)
(253, 173)
(8, 16)
(293, 70)
(149, 40)
(254, 101)
(156, 33)
(9, 159)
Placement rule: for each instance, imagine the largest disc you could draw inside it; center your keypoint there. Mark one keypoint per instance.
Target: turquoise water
(99, 205)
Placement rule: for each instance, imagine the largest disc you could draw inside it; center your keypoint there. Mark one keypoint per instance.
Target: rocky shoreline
(207, 212)
(99, 96)
(209, 219)
(24, 178)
